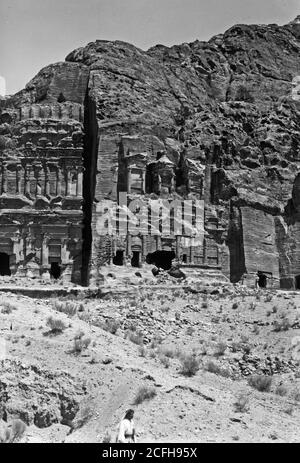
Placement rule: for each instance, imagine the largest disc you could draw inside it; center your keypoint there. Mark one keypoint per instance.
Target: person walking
(126, 433)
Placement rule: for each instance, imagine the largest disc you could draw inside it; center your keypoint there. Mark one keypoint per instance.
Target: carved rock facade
(213, 121)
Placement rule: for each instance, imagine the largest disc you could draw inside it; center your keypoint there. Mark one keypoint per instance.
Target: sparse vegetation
(242, 403)
(56, 325)
(260, 382)
(189, 365)
(144, 393)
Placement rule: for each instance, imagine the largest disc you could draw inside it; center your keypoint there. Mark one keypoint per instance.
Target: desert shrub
(164, 360)
(268, 298)
(107, 438)
(212, 367)
(7, 307)
(189, 365)
(56, 325)
(260, 382)
(242, 403)
(81, 342)
(281, 390)
(252, 306)
(168, 352)
(69, 308)
(282, 325)
(144, 393)
(296, 395)
(220, 349)
(142, 351)
(134, 337)
(235, 305)
(111, 325)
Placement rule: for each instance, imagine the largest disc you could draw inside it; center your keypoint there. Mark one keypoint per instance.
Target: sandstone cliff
(228, 106)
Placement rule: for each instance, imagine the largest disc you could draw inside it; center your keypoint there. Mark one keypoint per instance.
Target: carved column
(129, 180)
(177, 246)
(4, 178)
(79, 184)
(37, 174)
(58, 181)
(144, 182)
(68, 181)
(47, 181)
(27, 179)
(129, 245)
(19, 175)
(158, 242)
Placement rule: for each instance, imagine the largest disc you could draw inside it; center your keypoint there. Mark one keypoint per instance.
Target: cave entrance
(119, 258)
(297, 282)
(262, 280)
(161, 259)
(4, 264)
(135, 261)
(55, 270)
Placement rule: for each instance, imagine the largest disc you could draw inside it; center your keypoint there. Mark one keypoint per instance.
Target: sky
(35, 33)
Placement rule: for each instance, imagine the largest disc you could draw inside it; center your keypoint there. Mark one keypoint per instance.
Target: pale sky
(2, 86)
(35, 33)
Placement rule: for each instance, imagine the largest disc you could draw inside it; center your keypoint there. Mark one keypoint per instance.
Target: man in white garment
(126, 432)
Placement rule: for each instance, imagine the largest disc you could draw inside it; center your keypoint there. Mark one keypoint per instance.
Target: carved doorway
(297, 282)
(4, 264)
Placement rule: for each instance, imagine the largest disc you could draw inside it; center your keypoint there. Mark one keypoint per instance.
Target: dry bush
(260, 382)
(136, 338)
(235, 306)
(282, 325)
(189, 365)
(69, 308)
(281, 390)
(220, 349)
(212, 367)
(242, 403)
(111, 325)
(81, 342)
(56, 325)
(107, 438)
(164, 360)
(7, 307)
(142, 351)
(169, 352)
(144, 393)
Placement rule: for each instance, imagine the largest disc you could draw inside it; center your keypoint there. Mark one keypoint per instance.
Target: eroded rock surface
(216, 121)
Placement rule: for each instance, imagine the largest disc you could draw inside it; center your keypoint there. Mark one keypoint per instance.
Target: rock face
(213, 125)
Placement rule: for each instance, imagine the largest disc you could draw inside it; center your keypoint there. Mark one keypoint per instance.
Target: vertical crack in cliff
(89, 180)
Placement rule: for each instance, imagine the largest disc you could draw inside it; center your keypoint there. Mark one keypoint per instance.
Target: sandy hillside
(75, 385)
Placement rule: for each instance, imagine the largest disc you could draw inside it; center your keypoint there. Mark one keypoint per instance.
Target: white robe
(126, 427)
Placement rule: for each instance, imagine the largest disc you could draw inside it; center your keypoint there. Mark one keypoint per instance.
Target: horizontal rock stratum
(214, 121)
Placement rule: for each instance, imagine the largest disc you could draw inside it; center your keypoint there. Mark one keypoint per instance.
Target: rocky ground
(75, 384)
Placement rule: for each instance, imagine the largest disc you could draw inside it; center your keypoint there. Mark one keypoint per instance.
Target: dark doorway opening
(4, 264)
(55, 270)
(135, 261)
(297, 281)
(119, 258)
(161, 259)
(184, 258)
(262, 280)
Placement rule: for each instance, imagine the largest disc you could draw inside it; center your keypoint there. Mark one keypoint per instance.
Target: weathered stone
(216, 121)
